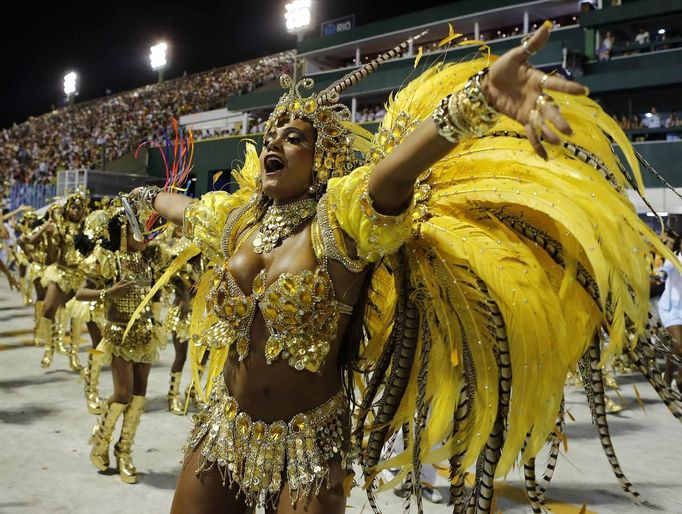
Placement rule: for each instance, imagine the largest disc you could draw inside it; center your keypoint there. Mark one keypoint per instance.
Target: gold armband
(465, 114)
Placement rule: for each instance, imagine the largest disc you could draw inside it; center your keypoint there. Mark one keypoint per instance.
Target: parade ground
(44, 430)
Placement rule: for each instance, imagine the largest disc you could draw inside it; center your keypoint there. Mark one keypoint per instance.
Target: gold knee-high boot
(38, 331)
(101, 434)
(47, 341)
(191, 391)
(74, 361)
(26, 289)
(174, 403)
(59, 330)
(76, 339)
(90, 376)
(123, 450)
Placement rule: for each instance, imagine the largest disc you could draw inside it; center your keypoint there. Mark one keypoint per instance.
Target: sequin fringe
(255, 455)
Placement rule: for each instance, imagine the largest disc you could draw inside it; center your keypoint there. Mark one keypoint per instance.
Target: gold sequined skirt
(141, 345)
(176, 324)
(68, 279)
(86, 311)
(259, 457)
(21, 257)
(35, 271)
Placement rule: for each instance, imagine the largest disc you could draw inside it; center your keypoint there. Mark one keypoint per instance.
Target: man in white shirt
(643, 37)
(652, 119)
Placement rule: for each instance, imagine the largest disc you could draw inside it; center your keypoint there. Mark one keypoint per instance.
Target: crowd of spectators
(369, 113)
(637, 124)
(365, 114)
(643, 41)
(81, 135)
(213, 133)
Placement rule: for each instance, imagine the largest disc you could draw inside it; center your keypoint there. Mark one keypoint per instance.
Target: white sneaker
(389, 474)
(431, 494)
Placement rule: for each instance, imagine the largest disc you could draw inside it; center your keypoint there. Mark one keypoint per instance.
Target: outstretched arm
(513, 88)
(48, 227)
(15, 212)
(171, 206)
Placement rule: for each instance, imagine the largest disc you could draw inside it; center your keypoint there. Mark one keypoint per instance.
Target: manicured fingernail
(547, 24)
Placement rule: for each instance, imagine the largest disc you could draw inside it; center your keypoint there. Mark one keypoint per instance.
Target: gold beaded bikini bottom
(260, 457)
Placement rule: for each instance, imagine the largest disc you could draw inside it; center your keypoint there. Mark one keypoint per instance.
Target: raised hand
(516, 89)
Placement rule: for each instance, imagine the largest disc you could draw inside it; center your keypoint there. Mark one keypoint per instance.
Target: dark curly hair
(114, 229)
(85, 245)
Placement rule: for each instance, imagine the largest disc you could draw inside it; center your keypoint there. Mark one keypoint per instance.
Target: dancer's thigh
(329, 501)
(204, 493)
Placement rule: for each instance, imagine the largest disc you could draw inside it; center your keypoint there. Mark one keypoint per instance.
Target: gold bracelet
(102, 296)
(465, 114)
(142, 200)
(444, 127)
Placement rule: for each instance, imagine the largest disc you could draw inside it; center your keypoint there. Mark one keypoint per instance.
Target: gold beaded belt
(259, 456)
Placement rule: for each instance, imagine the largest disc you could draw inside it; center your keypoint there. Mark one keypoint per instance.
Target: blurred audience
(81, 135)
(651, 120)
(369, 113)
(606, 47)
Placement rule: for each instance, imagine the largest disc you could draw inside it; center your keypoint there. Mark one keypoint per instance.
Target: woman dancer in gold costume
(62, 278)
(128, 268)
(42, 252)
(422, 269)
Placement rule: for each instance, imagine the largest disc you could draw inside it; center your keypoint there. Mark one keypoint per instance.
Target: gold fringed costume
(491, 286)
(147, 337)
(176, 323)
(259, 457)
(67, 278)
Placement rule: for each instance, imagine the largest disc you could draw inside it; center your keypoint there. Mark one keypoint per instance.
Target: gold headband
(337, 142)
(77, 198)
(334, 153)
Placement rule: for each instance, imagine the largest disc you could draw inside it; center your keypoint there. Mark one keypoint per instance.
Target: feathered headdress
(338, 139)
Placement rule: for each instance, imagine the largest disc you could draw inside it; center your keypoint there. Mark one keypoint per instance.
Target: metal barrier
(70, 181)
(35, 195)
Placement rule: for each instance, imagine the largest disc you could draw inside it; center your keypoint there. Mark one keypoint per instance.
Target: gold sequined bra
(300, 310)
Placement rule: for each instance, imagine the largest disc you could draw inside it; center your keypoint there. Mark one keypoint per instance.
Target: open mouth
(273, 164)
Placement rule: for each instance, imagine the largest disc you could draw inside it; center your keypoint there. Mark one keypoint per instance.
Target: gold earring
(314, 186)
(124, 238)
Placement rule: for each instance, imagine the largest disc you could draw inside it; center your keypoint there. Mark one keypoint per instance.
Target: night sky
(107, 43)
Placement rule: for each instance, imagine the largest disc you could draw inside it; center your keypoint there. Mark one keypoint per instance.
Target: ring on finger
(524, 44)
(542, 99)
(543, 80)
(535, 119)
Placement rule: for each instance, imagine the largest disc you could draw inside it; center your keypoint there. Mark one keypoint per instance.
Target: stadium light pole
(157, 57)
(297, 20)
(70, 86)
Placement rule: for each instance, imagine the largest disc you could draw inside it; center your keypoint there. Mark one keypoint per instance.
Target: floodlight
(297, 15)
(157, 56)
(70, 83)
